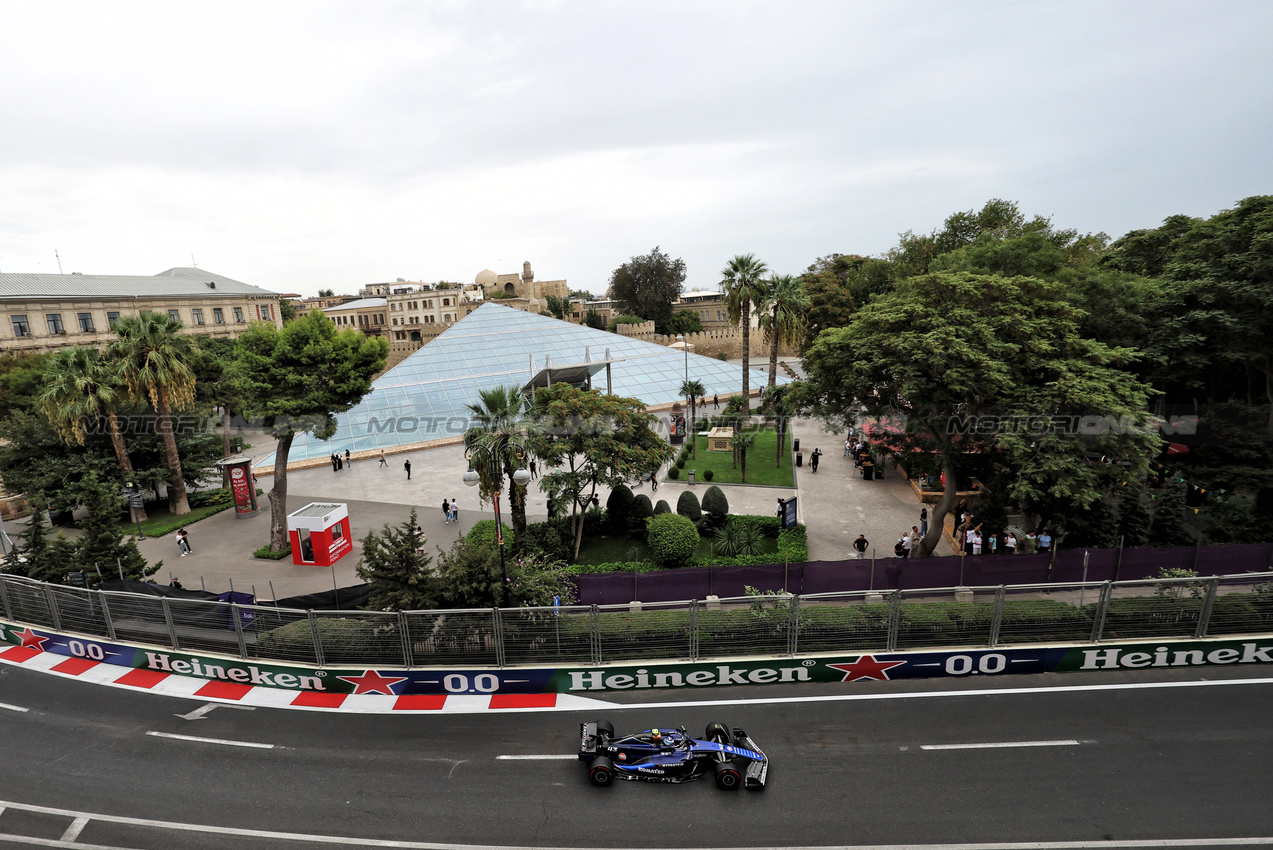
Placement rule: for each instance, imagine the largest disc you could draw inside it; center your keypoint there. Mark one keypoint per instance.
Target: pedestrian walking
(455, 509)
(406, 464)
(654, 480)
(446, 511)
(716, 401)
(848, 446)
(923, 522)
(813, 459)
(384, 461)
(534, 470)
(861, 545)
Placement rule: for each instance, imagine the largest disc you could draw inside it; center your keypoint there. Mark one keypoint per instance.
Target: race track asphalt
(1162, 757)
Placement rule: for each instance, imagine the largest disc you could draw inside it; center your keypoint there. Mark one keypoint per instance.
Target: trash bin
(795, 445)
(799, 459)
(879, 471)
(867, 468)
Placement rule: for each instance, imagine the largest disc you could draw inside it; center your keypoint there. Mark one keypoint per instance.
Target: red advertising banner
(241, 487)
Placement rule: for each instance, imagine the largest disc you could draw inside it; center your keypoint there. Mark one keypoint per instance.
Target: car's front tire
(727, 776)
(601, 771)
(717, 733)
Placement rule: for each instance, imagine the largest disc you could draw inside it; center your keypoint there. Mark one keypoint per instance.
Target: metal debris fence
(775, 624)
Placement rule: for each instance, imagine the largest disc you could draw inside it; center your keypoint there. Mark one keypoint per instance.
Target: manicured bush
(672, 539)
(673, 473)
(715, 503)
(680, 462)
(793, 544)
(662, 507)
(269, 554)
(483, 534)
(709, 474)
(687, 506)
(546, 538)
(619, 505)
(642, 508)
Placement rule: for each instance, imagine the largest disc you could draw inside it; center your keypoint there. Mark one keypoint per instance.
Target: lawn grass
(760, 462)
(159, 522)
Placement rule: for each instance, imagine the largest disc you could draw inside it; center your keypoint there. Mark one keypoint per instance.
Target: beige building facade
(47, 312)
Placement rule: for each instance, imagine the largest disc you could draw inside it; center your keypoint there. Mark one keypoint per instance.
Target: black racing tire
(717, 733)
(601, 772)
(727, 777)
(605, 727)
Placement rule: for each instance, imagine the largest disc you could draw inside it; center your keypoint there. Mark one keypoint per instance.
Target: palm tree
(80, 386)
(778, 402)
(743, 442)
(154, 361)
(783, 319)
(498, 418)
(693, 390)
(744, 284)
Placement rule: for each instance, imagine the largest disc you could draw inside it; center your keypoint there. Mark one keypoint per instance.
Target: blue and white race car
(671, 755)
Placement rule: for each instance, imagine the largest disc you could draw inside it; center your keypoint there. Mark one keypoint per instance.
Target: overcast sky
(314, 145)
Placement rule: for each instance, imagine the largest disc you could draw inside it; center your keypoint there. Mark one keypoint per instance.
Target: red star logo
(30, 638)
(866, 667)
(372, 682)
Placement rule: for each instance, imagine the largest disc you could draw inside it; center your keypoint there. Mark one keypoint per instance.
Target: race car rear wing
(587, 741)
(757, 771)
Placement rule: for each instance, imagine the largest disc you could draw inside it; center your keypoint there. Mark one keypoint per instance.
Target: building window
(174, 315)
(401, 335)
(112, 319)
(196, 315)
(218, 316)
(446, 302)
(55, 323)
(20, 326)
(86, 322)
(238, 315)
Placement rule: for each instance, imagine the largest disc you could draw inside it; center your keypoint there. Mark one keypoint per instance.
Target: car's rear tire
(717, 733)
(601, 771)
(605, 731)
(727, 776)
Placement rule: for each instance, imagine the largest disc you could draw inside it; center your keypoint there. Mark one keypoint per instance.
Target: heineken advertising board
(853, 667)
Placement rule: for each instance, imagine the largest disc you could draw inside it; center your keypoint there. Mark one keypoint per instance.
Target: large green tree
(743, 282)
(82, 388)
(647, 285)
(589, 440)
(296, 380)
(154, 361)
(498, 428)
(960, 366)
(783, 318)
(394, 563)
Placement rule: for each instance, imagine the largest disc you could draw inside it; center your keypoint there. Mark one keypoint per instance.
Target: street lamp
(521, 478)
(681, 339)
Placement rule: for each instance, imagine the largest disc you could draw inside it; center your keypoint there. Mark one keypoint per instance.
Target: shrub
(619, 505)
(738, 538)
(642, 508)
(367, 639)
(673, 473)
(204, 498)
(793, 544)
(715, 503)
(662, 507)
(483, 534)
(680, 462)
(720, 355)
(546, 539)
(672, 539)
(270, 554)
(687, 506)
(709, 474)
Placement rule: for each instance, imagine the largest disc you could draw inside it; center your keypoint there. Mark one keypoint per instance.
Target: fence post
(894, 619)
(106, 615)
(594, 633)
(793, 627)
(997, 620)
(693, 630)
(1118, 565)
(238, 630)
(1102, 605)
(404, 631)
(1208, 601)
(172, 628)
(51, 601)
(318, 642)
(4, 598)
(498, 625)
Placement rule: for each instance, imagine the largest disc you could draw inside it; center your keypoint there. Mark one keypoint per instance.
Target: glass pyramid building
(425, 397)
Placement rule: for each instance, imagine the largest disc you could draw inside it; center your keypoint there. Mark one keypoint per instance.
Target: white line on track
(999, 744)
(252, 744)
(554, 756)
(1093, 844)
(13, 707)
(73, 831)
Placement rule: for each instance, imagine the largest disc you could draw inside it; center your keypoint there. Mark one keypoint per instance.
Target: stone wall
(711, 343)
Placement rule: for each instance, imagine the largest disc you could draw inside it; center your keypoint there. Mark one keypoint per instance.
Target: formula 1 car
(671, 755)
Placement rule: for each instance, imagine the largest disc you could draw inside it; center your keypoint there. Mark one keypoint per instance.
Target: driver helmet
(657, 737)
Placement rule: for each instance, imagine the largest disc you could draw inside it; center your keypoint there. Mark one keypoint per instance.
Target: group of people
(973, 540)
(183, 543)
(339, 461)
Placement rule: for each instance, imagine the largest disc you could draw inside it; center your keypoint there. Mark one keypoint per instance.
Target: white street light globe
(521, 477)
(471, 478)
